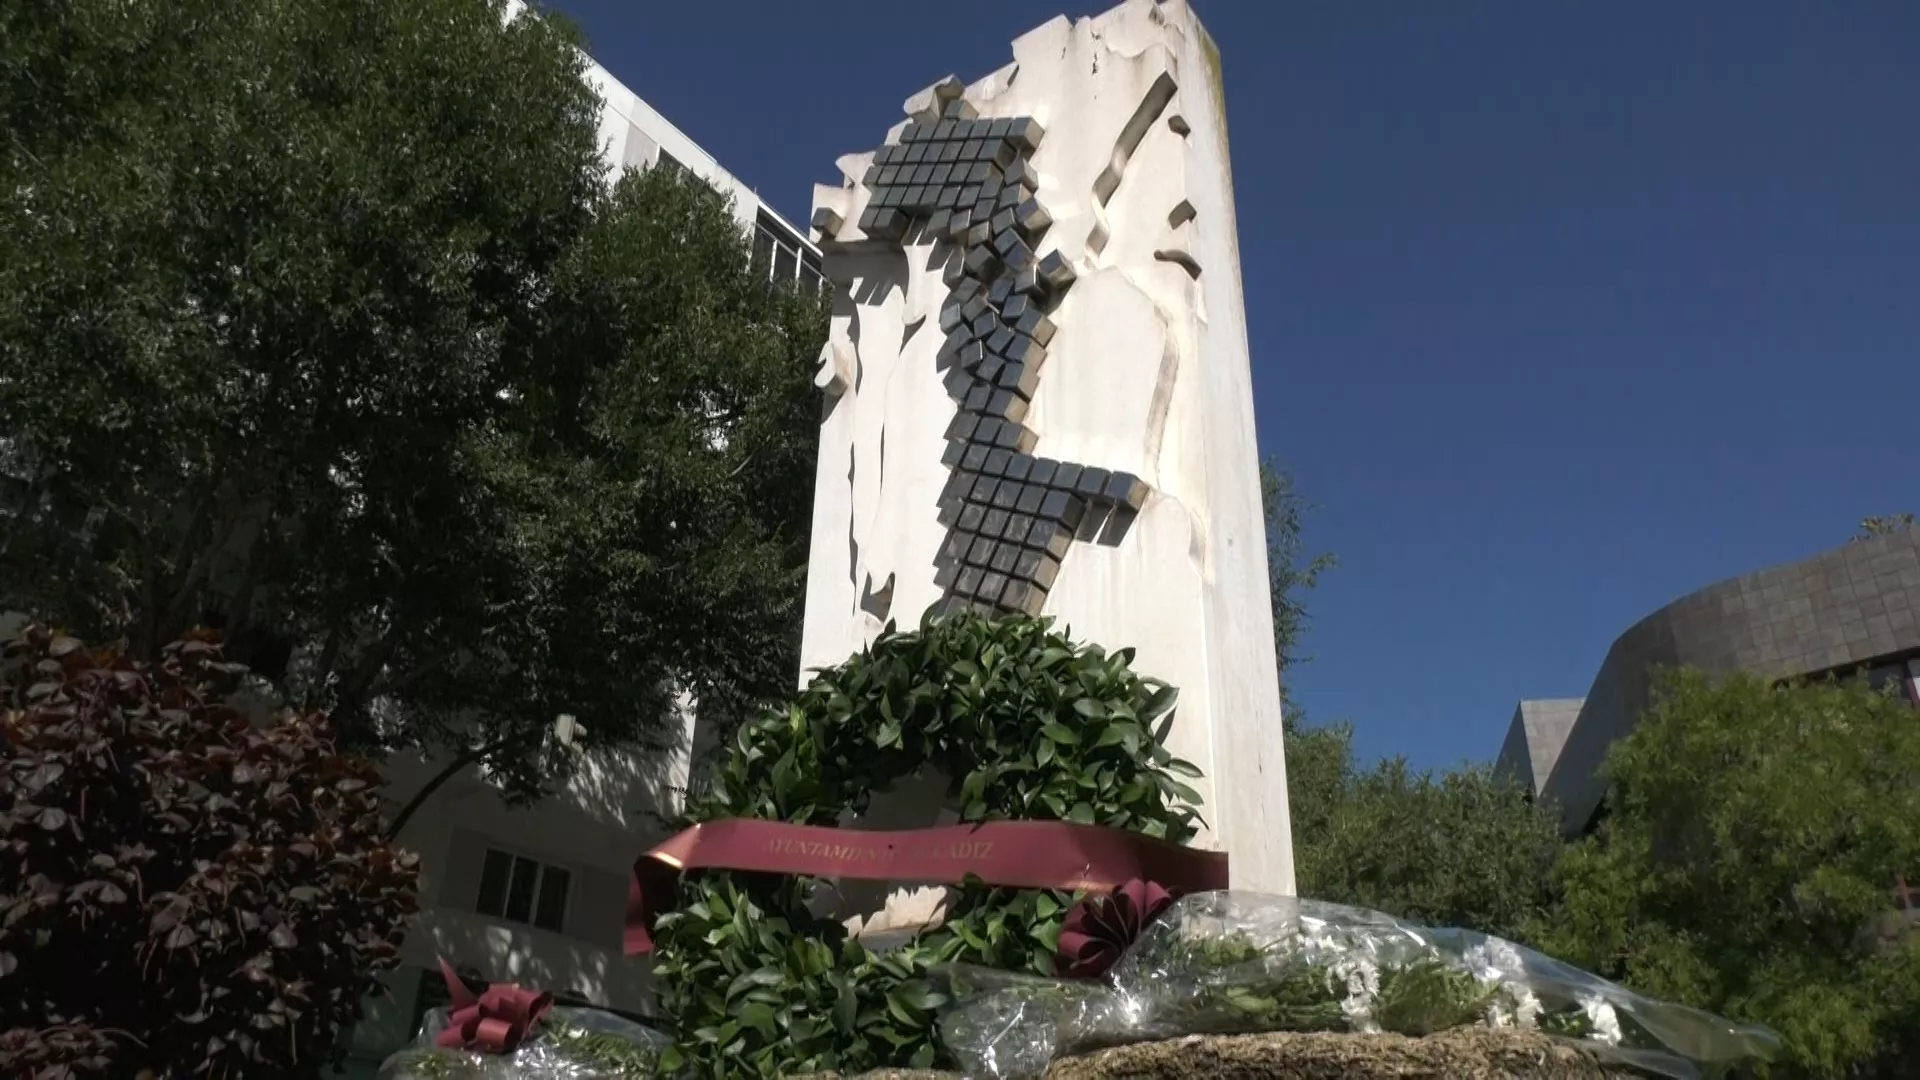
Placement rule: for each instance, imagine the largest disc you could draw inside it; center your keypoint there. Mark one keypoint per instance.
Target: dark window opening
(519, 889)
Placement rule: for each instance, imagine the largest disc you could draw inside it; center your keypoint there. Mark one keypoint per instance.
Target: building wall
(1534, 739)
(1856, 605)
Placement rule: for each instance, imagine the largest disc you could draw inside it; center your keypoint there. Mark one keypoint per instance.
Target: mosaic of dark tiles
(1011, 516)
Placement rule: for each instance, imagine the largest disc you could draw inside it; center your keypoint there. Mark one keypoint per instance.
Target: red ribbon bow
(1100, 928)
(496, 1022)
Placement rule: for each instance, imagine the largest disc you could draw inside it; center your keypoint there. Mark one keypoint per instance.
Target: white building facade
(537, 895)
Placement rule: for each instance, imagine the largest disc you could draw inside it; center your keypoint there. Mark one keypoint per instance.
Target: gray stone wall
(1837, 610)
(1534, 739)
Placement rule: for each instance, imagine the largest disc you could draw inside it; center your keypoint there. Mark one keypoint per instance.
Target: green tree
(1746, 864)
(1454, 848)
(321, 324)
(1882, 525)
(1290, 569)
(1459, 848)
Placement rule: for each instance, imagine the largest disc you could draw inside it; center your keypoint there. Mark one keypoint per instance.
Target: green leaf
(920, 995)
(1090, 708)
(760, 1018)
(846, 1007)
(1160, 702)
(1060, 733)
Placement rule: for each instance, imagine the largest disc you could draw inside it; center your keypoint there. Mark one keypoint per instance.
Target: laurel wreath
(1027, 723)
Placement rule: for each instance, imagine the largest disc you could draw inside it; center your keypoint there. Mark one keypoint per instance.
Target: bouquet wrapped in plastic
(507, 1033)
(1227, 963)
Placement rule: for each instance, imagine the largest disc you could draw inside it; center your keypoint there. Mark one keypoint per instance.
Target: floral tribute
(1027, 725)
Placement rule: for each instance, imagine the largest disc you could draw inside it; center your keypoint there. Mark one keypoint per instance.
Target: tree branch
(465, 759)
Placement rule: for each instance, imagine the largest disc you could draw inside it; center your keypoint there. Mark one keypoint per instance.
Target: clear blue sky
(1558, 311)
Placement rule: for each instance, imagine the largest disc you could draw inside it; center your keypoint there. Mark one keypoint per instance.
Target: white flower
(1606, 1025)
(1498, 961)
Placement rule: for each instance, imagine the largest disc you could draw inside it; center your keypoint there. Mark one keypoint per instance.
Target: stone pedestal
(1037, 388)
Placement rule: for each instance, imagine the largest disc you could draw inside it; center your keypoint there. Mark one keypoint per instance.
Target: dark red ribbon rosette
(1099, 929)
(495, 1022)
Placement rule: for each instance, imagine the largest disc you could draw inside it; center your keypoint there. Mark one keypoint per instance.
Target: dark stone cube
(1022, 379)
(1032, 218)
(1001, 289)
(1058, 506)
(1125, 489)
(1039, 567)
(1004, 558)
(1025, 350)
(1026, 134)
(982, 551)
(1003, 403)
(1055, 272)
(1034, 323)
(955, 549)
(1023, 597)
(1093, 480)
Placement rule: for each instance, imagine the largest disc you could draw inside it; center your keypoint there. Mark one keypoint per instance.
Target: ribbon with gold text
(1006, 854)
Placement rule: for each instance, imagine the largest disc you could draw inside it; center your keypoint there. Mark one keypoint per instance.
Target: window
(519, 889)
(782, 256)
(670, 163)
(811, 280)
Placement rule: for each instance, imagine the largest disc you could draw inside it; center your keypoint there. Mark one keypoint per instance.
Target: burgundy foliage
(181, 891)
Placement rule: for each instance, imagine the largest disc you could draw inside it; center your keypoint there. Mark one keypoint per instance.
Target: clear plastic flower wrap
(1225, 963)
(568, 1044)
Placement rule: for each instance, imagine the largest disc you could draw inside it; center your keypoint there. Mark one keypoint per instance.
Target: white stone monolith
(1086, 450)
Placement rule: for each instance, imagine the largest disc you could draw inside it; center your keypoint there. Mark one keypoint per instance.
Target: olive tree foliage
(322, 324)
(1882, 525)
(1747, 862)
(1455, 848)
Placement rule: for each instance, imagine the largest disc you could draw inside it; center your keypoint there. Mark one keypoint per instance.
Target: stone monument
(1037, 388)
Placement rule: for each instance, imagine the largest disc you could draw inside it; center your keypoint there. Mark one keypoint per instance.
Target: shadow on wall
(564, 966)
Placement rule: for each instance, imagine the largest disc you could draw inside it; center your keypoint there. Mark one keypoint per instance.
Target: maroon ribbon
(495, 1022)
(1099, 929)
(1006, 854)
